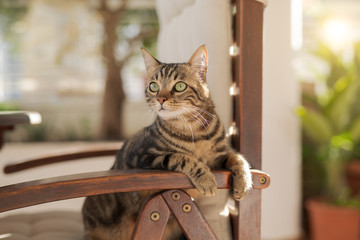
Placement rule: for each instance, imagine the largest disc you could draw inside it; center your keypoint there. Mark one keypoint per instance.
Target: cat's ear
(150, 61)
(199, 59)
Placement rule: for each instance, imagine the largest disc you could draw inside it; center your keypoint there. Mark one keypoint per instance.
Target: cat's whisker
(204, 111)
(198, 119)
(201, 116)
(204, 121)
(191, 130)
(193, 116)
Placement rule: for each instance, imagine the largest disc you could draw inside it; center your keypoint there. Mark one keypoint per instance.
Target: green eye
(154, 87)
(180, 86)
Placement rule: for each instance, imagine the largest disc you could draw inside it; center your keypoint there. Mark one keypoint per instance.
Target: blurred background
(78, 64)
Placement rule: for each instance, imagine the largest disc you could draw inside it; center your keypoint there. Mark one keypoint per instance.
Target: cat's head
(177, 89)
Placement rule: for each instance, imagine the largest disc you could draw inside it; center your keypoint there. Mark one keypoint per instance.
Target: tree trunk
(114, 96)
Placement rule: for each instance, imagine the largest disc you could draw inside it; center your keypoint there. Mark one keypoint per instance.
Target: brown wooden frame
(86, 184)
(247, 70)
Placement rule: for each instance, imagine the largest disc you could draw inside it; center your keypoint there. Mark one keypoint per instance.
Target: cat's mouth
(164, 107)
(167, 112)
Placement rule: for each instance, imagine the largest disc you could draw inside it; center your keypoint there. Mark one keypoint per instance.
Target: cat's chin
(167, 115)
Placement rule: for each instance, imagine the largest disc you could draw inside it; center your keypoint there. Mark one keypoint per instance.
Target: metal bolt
(186, 207)
(262, 180)
(234, 90)
(233, 130)
(234, 50)
(234, 9)
(175, 196)
(155, 216)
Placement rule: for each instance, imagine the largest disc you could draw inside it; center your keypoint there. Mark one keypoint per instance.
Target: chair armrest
(99, 150)
(86, 184)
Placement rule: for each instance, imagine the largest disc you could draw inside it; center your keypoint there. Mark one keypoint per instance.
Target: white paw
(242, 183)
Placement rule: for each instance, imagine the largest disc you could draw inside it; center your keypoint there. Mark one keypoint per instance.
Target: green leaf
(357, 57)
(340, 107)
(316, 125)
(355, 130)
(336, 66)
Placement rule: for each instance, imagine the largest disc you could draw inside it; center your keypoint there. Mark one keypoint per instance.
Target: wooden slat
(99, 150)
(248, 26)
(86, 184)
(187, 213)
(81, 185)
(148, 227)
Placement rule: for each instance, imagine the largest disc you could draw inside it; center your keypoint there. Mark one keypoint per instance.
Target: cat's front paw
(242, 183)
(205, 184)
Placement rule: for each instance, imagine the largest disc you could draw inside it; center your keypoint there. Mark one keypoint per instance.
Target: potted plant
(331, 129)
(353, 171)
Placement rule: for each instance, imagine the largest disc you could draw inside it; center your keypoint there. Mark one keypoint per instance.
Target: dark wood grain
(248, 26)
(86, 184)
(187, 219)
(148, 228)
(99, 150)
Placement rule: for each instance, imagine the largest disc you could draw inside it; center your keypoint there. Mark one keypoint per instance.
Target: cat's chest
(203, 150)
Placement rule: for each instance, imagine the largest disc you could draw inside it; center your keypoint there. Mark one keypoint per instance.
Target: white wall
(281, 136)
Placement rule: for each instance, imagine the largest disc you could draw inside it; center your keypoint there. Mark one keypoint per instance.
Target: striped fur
(187, 136)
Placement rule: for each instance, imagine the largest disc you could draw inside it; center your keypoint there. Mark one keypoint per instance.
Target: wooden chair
(246, 138)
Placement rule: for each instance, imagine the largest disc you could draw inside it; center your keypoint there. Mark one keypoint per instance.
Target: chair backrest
(247, 89)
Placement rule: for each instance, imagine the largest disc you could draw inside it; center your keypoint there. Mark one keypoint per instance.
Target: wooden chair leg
(154, 216)
(187, 213)
(151, 222)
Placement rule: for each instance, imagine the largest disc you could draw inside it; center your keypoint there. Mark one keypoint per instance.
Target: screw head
(175, 196)
(186, 207)
(155, 216)
(262, 180)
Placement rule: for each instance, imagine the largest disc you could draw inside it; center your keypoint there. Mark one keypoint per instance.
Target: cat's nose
(161, 100)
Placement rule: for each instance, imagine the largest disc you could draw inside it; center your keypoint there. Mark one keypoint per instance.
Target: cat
(186, 136)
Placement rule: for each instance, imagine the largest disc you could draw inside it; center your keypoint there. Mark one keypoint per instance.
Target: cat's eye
(154, 87)
(180, 86)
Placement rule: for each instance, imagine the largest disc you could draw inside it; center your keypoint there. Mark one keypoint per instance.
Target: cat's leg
(108, 215)
(198, 172)
(242, 179)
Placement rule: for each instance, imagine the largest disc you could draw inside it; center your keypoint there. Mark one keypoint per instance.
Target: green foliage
(79, 131)
(331, 122)
(38, 133)
(348, 201)
(337, 67)
(11, 14)
(138, 28)
(316, 126)
(9, 107)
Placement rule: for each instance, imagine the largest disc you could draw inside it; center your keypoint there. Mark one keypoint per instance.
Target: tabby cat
(186, 137)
